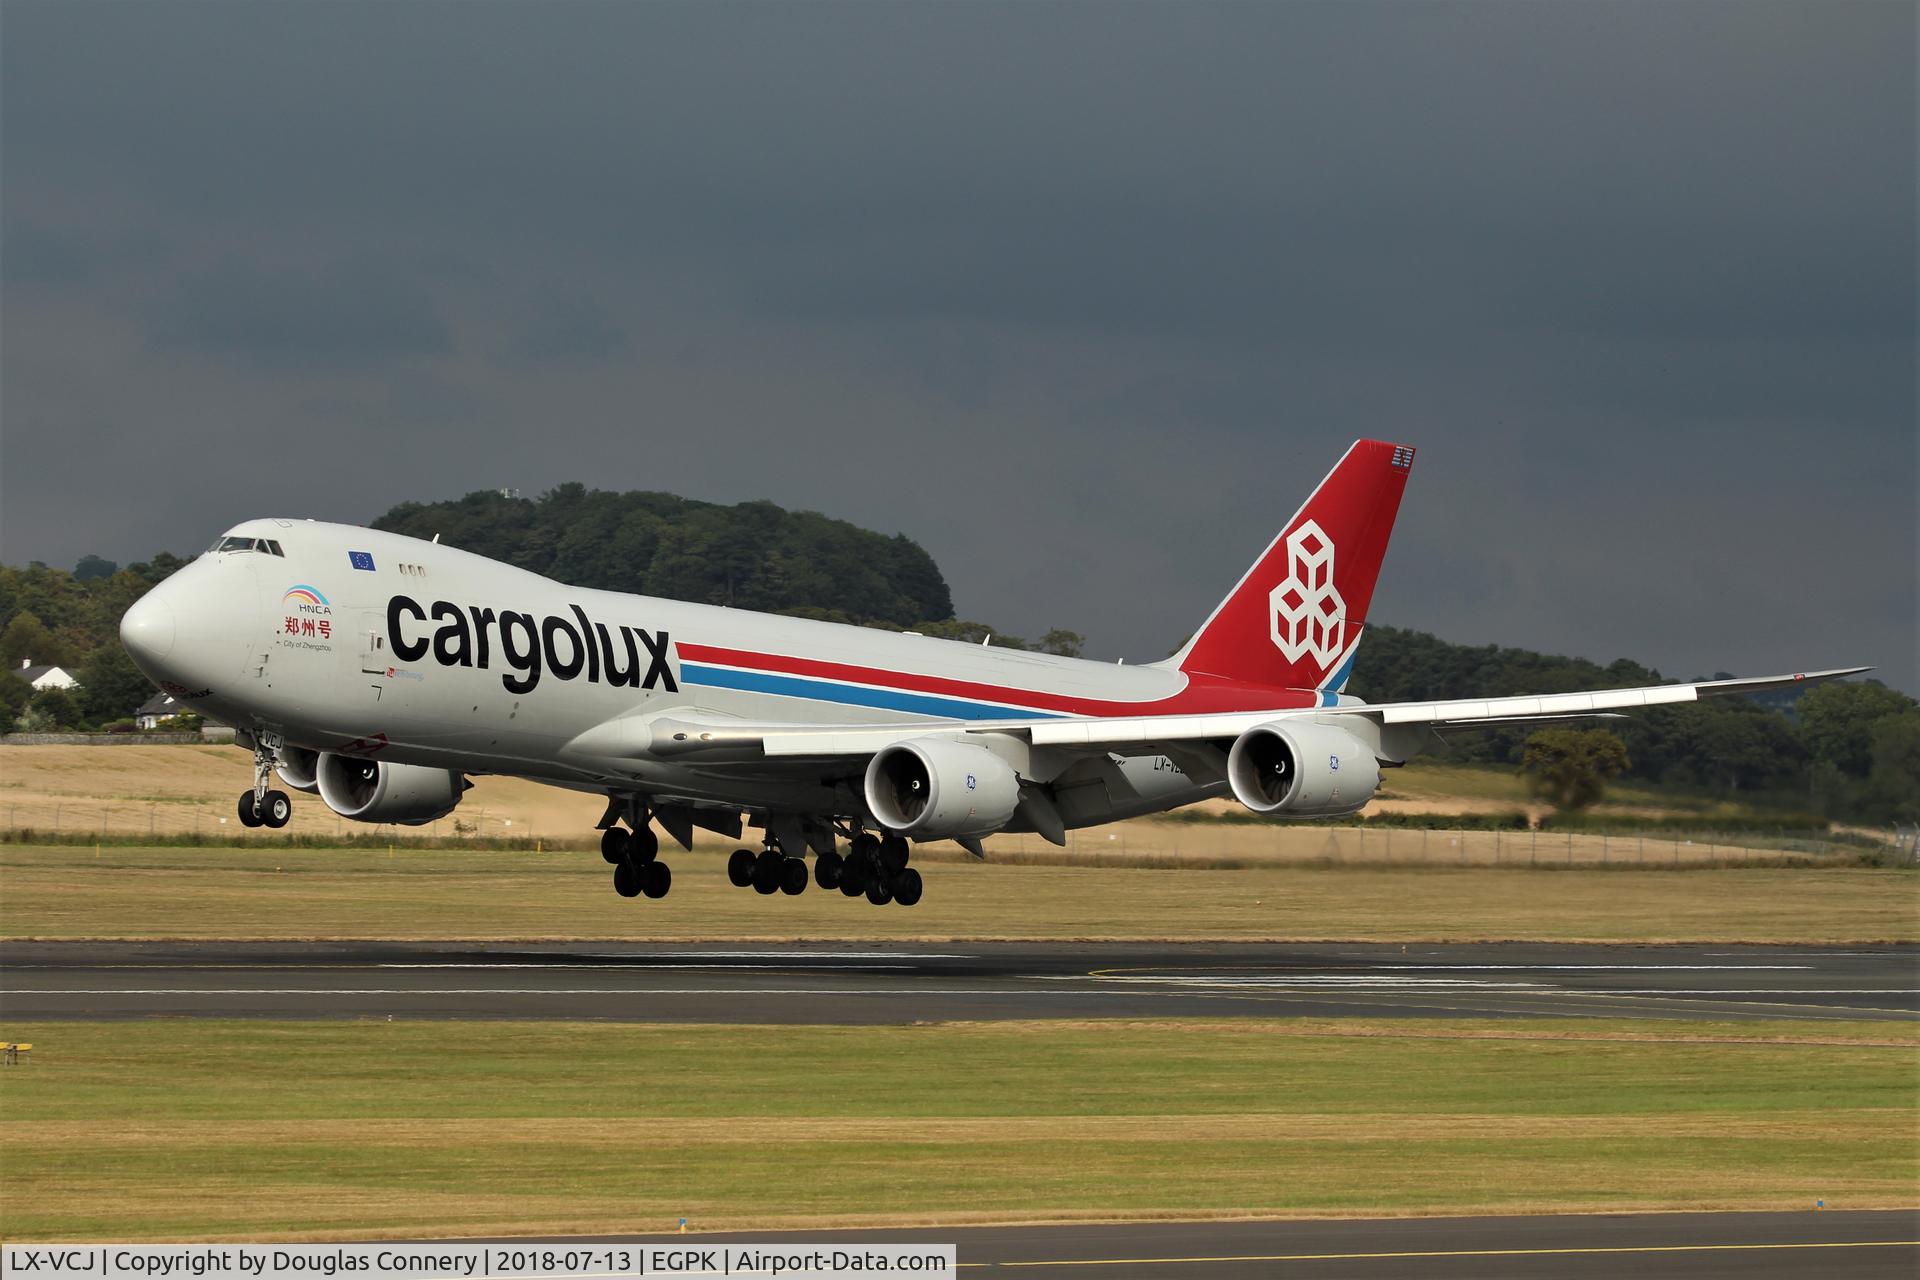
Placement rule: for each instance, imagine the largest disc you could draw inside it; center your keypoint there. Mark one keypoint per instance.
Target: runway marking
(545, 991)
(742, 968)
(1737, 968)
(779, 955)
(1452, 1253)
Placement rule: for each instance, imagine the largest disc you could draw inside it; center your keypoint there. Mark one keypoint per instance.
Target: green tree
(1065, 643)
(1837, 722)
(1570, 767)
(110, 685)
(27, 638)
(49, 709)
(754, 555)
(1893, 784)
(14, 693)
(91, 567)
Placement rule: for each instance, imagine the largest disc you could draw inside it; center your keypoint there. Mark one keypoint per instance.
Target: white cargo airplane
(381, 671)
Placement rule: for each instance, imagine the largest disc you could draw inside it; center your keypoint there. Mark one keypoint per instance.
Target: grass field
(251, 1130)
(183, 892)
(155, 790)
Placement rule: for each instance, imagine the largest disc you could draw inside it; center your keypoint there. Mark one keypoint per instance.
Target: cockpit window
(265, 546)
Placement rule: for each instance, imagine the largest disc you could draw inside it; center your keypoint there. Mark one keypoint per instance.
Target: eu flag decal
(361, 560)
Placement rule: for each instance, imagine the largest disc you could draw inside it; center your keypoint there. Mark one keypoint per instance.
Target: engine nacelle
(1297, 769)
(298, 767)
(373, 791)
(935, 788)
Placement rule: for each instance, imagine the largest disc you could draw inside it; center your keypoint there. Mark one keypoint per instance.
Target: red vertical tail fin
(1294, 620)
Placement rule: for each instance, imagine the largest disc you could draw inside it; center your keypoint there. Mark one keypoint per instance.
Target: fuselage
(341, 638)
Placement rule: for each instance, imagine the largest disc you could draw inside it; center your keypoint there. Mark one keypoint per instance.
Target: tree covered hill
(1851, 749)
(754, 555)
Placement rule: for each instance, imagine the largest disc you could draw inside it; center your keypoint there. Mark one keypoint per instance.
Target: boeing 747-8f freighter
(383, 672)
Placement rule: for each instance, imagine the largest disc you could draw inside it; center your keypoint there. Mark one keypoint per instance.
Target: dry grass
(191, 790)
(286, 893)
(255, 1130)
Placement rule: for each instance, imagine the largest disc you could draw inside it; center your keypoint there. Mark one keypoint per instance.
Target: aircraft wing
(728, 739)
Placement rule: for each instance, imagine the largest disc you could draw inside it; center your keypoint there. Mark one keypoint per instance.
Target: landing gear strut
(259, 806)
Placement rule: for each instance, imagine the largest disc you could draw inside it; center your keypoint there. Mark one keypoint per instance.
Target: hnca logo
(1309, 617)
(306, 599)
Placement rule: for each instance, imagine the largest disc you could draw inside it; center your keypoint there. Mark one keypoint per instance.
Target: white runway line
(608, 968)
(1596, 968)
(1133, 991)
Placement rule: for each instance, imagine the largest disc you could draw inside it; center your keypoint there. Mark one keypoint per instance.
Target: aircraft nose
(147, 629)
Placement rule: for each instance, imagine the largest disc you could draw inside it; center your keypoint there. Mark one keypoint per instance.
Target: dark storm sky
(1084, 297)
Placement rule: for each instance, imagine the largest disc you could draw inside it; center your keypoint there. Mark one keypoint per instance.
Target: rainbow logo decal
(301, 593)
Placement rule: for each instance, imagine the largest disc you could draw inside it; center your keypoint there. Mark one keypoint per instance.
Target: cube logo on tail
(1307, 613)
(1295, 617)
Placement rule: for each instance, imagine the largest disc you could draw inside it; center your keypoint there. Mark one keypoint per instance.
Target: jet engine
(934, 788)
(373, 791)
(298, 768)
(1297, 769)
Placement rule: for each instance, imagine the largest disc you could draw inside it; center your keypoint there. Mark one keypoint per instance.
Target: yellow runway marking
(1452, 1253)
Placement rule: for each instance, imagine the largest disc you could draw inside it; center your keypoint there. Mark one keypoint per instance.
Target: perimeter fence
(1139, 843)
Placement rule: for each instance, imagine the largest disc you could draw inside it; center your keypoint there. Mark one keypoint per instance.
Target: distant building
(44, 676)
(161, 706)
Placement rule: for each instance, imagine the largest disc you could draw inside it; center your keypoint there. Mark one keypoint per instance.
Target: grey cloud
(348, 314)
(567, 329)
(1084, 297)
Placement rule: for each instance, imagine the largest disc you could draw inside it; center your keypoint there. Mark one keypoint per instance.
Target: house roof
(30, 674)
(158, 704)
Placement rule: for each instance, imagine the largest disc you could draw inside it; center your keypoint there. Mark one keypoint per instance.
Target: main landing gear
(259, 806)
(873, 867)
(637, 868)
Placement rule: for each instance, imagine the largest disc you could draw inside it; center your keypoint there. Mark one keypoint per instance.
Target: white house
(44, 676)
(160, 706)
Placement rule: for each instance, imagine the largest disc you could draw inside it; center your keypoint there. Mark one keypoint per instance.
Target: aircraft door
(373, 641)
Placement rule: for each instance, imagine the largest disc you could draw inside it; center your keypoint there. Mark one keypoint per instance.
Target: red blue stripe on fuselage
(914, 693)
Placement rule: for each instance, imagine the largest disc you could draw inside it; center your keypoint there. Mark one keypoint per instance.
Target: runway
(909, 982)
(1649, 1246)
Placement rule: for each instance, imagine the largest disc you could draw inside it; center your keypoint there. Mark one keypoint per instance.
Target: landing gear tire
(277, 809)
(643, 845)
(853, 877)
(793, 877)
(893, 855)
(864, 845)
(655, 878)
(826, 870)
(626, 880)
(249, 815)
(878, 893)
(906, 887)
(740, 868)
(614, 843)
(766, 872)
